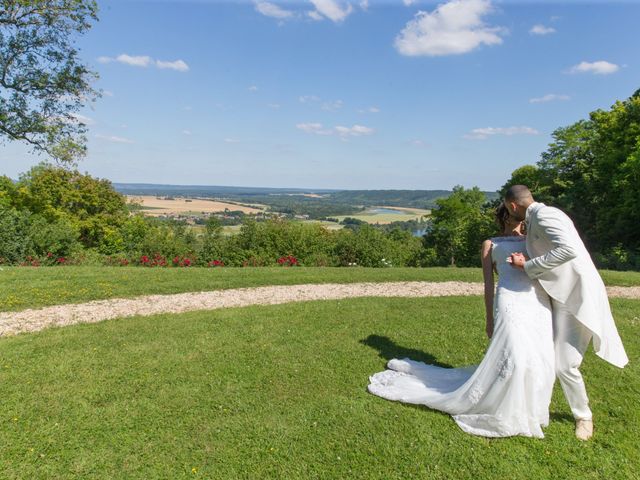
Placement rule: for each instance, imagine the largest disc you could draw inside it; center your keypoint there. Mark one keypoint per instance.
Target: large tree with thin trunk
(43, 83)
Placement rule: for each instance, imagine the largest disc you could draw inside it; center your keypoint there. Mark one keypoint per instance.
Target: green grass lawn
(27, 287)
(280, 392)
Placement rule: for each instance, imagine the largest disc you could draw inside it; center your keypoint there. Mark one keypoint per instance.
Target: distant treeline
(206, 190)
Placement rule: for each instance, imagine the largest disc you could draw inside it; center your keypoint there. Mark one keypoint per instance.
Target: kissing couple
(549, 304)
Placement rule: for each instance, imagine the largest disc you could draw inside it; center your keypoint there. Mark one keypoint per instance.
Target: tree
(90, 204)
(591, 170)
(7, 191)
(459, 225)
(43, 84)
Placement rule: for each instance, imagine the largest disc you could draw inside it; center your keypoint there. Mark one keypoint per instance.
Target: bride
(509, 392)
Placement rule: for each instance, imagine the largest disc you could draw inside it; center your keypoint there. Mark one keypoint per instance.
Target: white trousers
(571, 339)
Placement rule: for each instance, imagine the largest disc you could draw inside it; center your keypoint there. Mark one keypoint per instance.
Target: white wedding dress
(509, 392)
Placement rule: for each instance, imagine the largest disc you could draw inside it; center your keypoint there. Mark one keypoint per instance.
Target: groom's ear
(510, 206)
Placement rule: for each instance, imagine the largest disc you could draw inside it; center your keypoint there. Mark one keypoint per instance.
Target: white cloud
(74, 119)
(275, 106)
(316, 128)
(187, 132)
(308, 98)
(549, 97)
(341, 131)
(253, 88)
(114, 139)
(364, 4)
(83, 119)
(541, 30)
(369, 110)
(332, 106)
(145, 61)
(455, 27)
(484, 133)
(598, 68)
(178, 65)
(408, 3)
(327, 105)
(331, 9)
(419, 143)
(134, 61)
(107, 93)
(314, 15)
(272, 10)
(354, 131)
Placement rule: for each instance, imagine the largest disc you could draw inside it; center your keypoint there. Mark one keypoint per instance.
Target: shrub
(55, 239)
(14, 235)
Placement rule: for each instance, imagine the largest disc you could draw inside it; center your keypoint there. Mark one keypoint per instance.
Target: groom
(581, 312)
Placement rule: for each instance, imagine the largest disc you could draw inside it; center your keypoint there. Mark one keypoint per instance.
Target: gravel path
(32, 320)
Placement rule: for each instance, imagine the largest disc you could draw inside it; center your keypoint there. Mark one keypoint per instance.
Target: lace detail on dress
(505, 365)
(475, 393)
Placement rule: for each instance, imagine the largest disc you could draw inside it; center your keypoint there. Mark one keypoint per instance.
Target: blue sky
(344, 94)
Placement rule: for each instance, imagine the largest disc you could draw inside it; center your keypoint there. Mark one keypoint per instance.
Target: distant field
(383, 215)
(154, 206)
(309, 195)
(231, 229)
(325, 224)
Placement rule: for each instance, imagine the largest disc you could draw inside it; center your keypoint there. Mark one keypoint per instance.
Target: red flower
(61, 260)
(288, 261)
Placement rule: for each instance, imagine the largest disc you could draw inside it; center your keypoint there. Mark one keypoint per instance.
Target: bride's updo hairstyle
(502, 215)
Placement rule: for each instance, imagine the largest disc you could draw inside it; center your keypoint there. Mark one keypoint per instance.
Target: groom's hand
(518, 260)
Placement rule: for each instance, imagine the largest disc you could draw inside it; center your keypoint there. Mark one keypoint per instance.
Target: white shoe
(584, 429)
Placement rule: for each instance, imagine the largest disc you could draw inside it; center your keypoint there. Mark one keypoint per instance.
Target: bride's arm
(487, 272)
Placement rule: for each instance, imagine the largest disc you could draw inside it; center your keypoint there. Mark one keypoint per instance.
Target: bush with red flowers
(288, 261)
(30, 261)
(179, 261)
(216, 263)
(158, 261)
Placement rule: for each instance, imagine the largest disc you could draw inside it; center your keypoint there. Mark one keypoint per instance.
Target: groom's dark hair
(518, 194)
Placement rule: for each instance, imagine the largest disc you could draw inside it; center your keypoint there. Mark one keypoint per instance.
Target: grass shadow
(561, 417)
(388, 349)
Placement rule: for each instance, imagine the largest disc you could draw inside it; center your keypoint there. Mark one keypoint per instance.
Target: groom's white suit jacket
(561, 263)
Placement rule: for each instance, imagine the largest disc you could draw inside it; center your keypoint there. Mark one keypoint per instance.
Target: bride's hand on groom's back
(517, 260)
